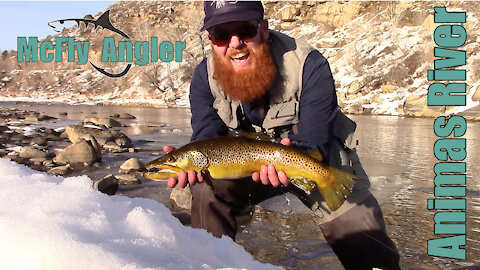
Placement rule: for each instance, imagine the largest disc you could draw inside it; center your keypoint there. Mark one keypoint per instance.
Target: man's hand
(268, 174)
(184, 178)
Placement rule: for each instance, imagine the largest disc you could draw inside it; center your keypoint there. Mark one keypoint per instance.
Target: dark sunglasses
(222, 38)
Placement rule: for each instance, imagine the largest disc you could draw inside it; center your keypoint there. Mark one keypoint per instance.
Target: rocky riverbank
(73, 148)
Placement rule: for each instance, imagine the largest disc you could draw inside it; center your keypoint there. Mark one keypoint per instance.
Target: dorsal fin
(315, 154)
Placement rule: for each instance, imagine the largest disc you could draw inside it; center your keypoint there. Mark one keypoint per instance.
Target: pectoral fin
(207, 179)
(303, 183)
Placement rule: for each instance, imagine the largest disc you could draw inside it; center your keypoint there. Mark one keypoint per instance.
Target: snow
(51, 222)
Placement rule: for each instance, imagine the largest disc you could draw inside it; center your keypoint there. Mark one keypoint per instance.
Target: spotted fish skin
(238, 157)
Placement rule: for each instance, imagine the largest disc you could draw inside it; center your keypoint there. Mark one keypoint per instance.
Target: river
(397, 154)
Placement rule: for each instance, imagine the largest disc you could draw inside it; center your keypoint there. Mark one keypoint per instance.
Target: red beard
(249, 83)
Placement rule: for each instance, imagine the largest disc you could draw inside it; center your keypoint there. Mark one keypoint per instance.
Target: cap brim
(231, 17)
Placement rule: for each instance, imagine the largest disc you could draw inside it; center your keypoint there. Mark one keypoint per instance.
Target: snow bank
(49, 222)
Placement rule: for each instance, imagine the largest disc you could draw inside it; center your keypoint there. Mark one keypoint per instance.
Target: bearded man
(261, 80)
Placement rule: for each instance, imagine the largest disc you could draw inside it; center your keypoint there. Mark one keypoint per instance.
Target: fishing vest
(289, 56)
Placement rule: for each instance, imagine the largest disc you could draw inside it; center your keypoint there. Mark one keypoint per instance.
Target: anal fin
(302, 183)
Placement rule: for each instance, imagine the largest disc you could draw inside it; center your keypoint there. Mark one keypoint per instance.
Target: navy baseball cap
(218, 12)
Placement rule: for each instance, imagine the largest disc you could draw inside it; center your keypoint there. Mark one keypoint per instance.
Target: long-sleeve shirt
(318, 107)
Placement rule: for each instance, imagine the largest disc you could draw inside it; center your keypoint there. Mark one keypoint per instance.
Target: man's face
(233, 42)
(244, 67)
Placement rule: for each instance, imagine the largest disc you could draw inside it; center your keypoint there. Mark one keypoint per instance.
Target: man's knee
(359, 238)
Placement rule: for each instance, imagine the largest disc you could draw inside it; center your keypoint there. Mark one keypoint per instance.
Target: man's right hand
(184, 178)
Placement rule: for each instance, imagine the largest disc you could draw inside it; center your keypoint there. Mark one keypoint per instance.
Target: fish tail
(338, 189)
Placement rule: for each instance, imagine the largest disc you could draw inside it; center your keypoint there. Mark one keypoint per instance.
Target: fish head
(171, 164)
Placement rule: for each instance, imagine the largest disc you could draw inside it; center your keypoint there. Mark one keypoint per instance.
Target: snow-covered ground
(51, 222)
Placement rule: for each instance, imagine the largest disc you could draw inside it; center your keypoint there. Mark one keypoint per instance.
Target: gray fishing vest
(282, 116)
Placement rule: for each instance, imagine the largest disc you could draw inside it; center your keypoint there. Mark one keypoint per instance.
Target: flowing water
(397, 154)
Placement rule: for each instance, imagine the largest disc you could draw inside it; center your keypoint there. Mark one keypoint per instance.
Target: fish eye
(171, 159)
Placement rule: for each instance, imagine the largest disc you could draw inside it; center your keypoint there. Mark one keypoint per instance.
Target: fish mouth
(161, 172)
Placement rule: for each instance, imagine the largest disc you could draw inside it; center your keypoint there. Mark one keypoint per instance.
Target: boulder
(74, 133)
(354, 88)
(476, 95)
(79, 152)
(114, 148)
(122, 140)
(39, 141)
(31, 118)
(388, 88)
(355, 109)
(38, 160)
(417, 106)
(132, 164)
(98, 149)
(60, 170)
(288, 13)
(128, 180)
(108, 122)
(181, 197)
(31, 152)
(126, 116)
(108, 185)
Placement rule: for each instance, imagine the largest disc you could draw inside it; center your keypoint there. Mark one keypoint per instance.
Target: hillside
(379, 53)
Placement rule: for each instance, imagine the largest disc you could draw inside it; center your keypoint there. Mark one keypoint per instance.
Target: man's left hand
(268, 174)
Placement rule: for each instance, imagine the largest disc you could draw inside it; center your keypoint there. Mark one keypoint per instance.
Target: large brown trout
(239, 157)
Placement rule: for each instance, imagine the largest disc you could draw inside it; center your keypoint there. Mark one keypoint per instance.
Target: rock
(108, 185)
(94, 143)
(108, 122)
(80, 152)
(103, 136)
(113, 147)
(38, 161)
(62, 114)
(39, 141)
(416, 105)
(31, 118)
(60, 170)
(31, 152)
(288, 13)
(17, 137)
(128, 180)
(44, 117)
(48, 163)
(126, 116)
(52, 131)
(132, 164)
(182, 197)
(355, 109)
(77, 132)
(476, 95)
(123, 141)
(354, 88)
(388, 88)
(74, 133)
(429, 24)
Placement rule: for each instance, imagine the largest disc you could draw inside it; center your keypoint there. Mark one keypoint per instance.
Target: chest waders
(282, 116)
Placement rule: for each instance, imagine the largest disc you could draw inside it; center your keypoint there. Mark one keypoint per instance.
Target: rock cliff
(379, 53)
